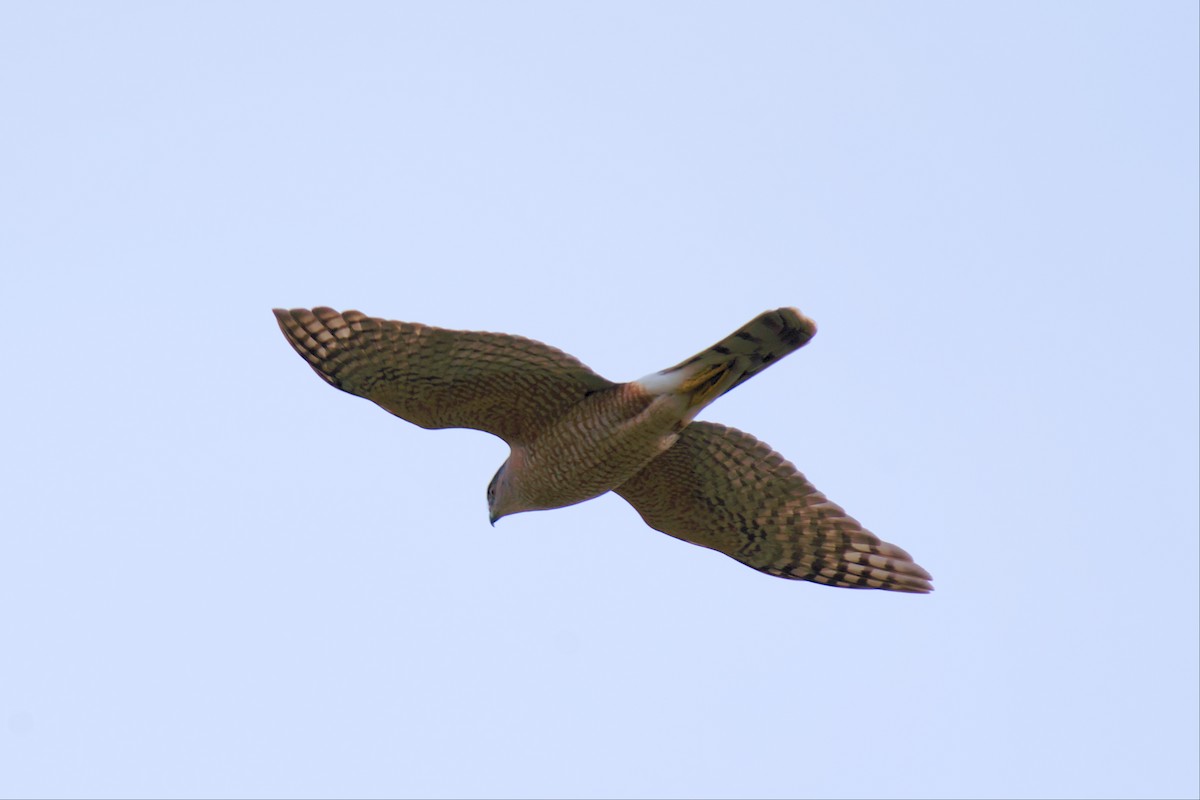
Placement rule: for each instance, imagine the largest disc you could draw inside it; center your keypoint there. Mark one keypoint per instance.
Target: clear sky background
(220, 577)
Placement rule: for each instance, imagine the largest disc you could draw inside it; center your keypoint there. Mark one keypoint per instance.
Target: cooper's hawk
(575, 435)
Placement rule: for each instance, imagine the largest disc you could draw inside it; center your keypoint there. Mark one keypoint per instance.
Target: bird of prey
(574, 435)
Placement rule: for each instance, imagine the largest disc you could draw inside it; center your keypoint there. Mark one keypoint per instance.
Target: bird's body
(575, 435)
(597, 445)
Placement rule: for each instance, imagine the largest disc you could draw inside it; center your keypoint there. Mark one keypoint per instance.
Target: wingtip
(913, 586)
(288, 321)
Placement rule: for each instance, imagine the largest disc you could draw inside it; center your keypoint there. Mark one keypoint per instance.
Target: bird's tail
(742, 354)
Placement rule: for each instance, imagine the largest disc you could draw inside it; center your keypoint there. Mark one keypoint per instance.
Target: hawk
(574, 435)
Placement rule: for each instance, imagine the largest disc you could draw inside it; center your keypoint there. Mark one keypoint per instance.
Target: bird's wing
(721, 488)
(436, 378)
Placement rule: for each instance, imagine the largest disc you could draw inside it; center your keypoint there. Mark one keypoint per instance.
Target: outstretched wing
(437, 378)
(721, 488)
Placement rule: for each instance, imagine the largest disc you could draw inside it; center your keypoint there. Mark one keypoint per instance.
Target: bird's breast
(598, 445)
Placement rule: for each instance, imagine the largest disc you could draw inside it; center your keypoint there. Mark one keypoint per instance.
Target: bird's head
(506, 493)
(500, 498)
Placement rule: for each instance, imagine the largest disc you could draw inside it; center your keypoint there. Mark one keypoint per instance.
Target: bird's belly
(585, 455)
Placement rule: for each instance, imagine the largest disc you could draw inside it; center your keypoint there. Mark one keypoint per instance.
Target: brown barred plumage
(575, 435)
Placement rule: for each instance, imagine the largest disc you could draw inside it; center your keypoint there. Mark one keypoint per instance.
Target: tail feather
(707, 383)
(739, 356)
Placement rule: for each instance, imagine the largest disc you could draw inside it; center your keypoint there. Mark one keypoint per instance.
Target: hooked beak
(492, 518)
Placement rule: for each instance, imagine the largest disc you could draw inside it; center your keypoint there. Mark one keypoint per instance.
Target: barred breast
(597, 445)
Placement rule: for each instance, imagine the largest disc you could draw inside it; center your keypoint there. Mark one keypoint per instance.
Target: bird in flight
(574, 435)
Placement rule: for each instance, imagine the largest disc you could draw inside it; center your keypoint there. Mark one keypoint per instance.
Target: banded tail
(739, 356)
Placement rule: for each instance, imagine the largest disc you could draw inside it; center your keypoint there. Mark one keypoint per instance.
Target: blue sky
(219, 577)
